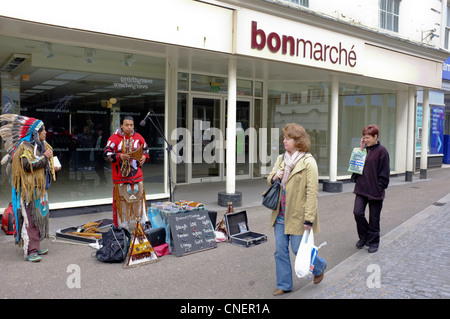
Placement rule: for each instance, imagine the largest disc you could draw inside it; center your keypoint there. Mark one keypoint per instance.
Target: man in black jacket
(370, 189)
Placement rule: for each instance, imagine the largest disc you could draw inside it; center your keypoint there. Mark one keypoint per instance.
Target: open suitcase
(238, 230)
(67, 233)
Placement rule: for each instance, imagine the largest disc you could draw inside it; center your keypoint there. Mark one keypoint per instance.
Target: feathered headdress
(18, 128)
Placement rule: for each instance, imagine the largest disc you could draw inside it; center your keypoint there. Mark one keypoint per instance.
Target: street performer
(127, 151)
(31, 158)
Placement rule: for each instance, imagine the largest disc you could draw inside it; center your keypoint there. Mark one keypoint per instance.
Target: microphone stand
(169, 148)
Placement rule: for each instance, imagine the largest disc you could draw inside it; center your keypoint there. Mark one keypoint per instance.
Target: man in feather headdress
(31, 159)
(127, 152)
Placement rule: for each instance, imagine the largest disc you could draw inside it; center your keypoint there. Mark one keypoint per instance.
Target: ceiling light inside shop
(47, 50)
(128, 59)
(30, 91)
(100, 91)
(43, 87)
(54, 82)
(71, 76)
(90, 55)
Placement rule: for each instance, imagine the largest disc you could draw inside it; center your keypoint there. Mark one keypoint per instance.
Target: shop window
(80, 111)
(258, 89)
(389, 14)
(183, 81)
(308, 104)
(360, 106)
(208, 83)
(435, 129)
(182, 172)
(244, 87)
(82, 108)
(258, 111)
(304, 103)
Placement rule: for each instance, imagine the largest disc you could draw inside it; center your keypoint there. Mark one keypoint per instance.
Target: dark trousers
(33, 232)
(368, 231)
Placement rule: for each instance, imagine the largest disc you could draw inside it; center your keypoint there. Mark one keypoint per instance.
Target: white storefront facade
(220, 80)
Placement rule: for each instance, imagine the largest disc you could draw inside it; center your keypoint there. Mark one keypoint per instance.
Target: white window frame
(303, 3)
(389, 18)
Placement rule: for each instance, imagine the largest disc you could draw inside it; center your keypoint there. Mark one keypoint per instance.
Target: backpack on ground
(114, 245)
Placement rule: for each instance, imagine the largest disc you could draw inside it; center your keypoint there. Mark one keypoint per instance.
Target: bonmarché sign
(285, 40)
(302, 48)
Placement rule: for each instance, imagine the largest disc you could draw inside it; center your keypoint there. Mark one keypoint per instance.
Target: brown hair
(299, 134)
(372, 130)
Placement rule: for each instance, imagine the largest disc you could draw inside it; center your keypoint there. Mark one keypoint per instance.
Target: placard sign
(191, 232)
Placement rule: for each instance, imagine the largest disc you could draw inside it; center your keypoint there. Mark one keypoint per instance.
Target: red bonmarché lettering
(306, 49)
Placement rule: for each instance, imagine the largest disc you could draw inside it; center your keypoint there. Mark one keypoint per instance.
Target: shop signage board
(191, 232)
(437, 130)
(270, 37)
(446, 69)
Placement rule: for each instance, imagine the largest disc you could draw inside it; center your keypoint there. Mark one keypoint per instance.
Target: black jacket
(375, 177)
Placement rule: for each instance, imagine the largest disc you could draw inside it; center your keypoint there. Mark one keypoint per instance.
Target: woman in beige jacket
(297, 208)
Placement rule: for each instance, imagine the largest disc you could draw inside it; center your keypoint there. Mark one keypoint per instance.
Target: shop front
(80, 95)
(446, 99)
(220, 96)
(436, 143)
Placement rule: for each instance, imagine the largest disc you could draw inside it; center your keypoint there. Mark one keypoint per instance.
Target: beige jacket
(302, 189)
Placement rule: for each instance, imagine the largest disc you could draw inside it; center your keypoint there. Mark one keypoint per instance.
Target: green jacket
(302, 189)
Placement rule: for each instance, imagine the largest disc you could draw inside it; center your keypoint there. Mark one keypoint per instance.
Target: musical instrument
(137, 154)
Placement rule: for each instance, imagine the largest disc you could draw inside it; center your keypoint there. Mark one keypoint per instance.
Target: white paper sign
(56, 162)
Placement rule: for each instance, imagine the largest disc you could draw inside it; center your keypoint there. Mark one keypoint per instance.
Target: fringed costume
(129, 204)
(32, 174)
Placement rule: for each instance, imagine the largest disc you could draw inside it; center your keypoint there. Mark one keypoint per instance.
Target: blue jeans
(283, 259)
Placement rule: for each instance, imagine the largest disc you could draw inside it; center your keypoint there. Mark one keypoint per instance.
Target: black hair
(37, 141)
(126, 117)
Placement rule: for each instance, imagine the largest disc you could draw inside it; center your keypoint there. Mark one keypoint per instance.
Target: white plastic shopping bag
(303, 258)
(306, 255)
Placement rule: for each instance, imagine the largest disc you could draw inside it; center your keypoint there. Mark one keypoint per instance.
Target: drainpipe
(425, 135)
(410, 140)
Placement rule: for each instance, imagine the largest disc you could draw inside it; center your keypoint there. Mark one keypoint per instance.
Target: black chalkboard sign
(191, 232)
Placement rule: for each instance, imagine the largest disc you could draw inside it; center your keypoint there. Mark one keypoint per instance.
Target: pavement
(412, 261)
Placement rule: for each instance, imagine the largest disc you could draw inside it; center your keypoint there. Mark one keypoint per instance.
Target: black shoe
(360, 244)
(373, 249)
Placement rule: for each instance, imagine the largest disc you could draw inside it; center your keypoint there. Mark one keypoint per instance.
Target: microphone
(145, 118)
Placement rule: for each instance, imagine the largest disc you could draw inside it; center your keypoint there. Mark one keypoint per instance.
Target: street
(229, 271)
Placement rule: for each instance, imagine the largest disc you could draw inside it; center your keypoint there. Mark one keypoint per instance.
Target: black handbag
(271, 196)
